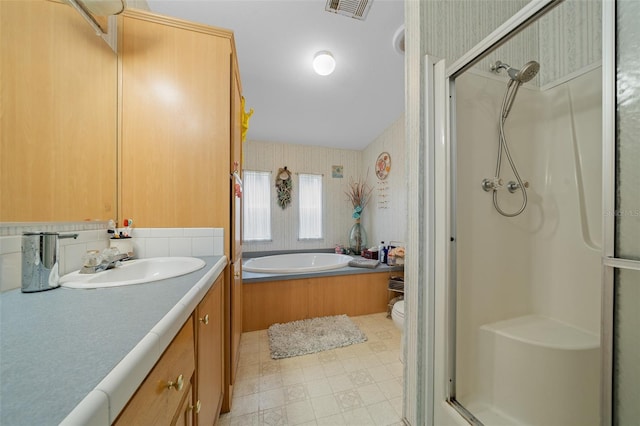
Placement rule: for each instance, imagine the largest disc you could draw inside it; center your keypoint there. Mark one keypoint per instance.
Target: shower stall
(522, 286)
(525, 227)
(527, 250)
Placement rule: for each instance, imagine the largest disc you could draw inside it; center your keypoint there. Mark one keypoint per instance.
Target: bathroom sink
(134, 272)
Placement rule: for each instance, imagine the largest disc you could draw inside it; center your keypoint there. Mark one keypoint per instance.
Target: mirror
(58, 152)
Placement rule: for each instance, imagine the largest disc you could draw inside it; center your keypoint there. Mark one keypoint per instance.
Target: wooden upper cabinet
(58, 123)
(175, 122)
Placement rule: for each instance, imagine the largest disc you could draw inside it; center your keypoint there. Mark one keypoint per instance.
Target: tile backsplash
(147, 242)
(155, 242)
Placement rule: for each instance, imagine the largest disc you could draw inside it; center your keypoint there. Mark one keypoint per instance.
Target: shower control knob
(513, 186)
(491, 184)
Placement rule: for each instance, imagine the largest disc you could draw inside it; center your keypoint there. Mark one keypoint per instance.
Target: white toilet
(397, 315)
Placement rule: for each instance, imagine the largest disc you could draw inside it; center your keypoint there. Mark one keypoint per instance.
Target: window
(310, 206)
(256, 208)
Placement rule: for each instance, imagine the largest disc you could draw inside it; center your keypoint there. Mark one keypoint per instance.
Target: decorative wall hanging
(383, 165)
(383, 194)
(237, 187)
(336, 172)
(284, 187)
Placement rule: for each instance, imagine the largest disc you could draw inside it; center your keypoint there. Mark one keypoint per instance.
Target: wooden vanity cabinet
(166, 387)
(195, 358)
(209, 377)
(185, 415)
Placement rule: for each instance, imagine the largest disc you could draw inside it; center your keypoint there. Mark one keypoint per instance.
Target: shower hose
(509, 96)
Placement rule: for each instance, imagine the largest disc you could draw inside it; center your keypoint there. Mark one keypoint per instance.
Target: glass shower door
(626, 219)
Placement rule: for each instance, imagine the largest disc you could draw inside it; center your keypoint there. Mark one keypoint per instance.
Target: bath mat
(313, 335)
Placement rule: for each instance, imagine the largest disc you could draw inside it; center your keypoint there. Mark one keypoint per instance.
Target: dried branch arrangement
(359, 193)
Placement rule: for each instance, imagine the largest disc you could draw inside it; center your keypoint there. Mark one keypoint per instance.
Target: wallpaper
(268, 156)
(384, 216)
(387, 211)
(564, 41)
(570, 39)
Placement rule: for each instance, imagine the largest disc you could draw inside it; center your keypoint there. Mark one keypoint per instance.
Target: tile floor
(358, 385)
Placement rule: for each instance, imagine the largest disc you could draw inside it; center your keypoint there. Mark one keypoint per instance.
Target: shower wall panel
(566, 208)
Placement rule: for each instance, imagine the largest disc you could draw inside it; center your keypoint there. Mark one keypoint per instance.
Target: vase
(357, 238)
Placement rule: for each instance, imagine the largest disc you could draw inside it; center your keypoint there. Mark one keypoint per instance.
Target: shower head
(526, 73)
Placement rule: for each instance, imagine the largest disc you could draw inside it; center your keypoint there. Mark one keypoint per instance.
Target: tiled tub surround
(85, 352)
(147, 242)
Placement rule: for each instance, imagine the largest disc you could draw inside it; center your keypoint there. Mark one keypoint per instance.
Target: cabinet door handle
(237, 275)
(205, 320)
(177, 385)
(196, 408)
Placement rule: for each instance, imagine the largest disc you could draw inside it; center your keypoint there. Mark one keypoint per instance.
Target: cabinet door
(236, 166)
(58, 121)
(184, 417)
(175, 123)
(160, 395)
(236, 317)
(210, 355)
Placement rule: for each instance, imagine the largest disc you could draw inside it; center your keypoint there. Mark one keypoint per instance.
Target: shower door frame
(609, 260)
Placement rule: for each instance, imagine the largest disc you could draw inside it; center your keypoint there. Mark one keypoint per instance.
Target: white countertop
(76, 356)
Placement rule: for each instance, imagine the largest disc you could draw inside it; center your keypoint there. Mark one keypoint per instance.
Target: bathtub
(296, 263)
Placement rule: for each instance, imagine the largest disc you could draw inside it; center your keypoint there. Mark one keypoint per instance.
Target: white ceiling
(276, 41)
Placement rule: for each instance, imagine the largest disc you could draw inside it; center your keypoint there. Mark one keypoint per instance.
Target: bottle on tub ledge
(382, 252)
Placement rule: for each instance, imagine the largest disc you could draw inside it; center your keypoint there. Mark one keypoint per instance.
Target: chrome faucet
(40, 253)
(109, 261)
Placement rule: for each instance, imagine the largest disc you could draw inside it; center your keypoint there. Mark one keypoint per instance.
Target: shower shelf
(545, 332)
(396, 288)
(396, 284)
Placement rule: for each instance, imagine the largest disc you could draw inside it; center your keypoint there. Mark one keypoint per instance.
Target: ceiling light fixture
(324, 62)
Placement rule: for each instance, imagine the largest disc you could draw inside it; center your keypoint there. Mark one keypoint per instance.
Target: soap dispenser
(40, 252)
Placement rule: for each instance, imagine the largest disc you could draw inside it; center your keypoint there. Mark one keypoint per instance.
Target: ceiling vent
(356, 9)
